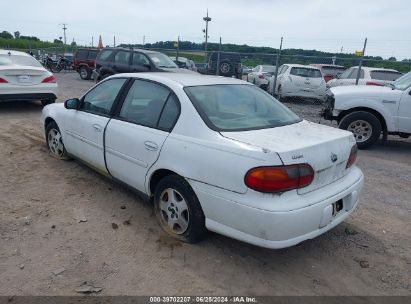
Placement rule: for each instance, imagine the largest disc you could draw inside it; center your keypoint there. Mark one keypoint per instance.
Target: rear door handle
(149, 145)
(97, 128)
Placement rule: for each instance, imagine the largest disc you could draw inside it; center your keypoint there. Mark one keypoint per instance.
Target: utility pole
(360, 64)
(92, 41)
(114, 42)
(144, 40)
(207, 20)
(178, 48)
(217, 70)
(64, 29)
(276, 65)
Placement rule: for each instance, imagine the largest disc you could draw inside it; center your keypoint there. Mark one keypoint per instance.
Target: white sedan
(22, 77)
(298, 81)
(212, 153)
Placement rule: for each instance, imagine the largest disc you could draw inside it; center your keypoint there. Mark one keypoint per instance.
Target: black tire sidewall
(366, 116)
(88, 73)
(196, 227)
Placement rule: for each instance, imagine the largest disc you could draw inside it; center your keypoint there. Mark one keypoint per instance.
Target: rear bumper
(28, 96)
(279, 229)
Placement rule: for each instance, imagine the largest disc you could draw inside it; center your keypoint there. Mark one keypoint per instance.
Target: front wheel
(55, 142)
(178, 210)
(365, 127)
(55, 68)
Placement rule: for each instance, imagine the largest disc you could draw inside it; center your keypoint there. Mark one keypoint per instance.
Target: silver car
(260, 75)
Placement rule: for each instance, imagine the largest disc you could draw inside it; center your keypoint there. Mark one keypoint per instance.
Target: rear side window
(385, 75)
(122, 57)
(105, 54)
(170, 114)
(92, 54)
(144, 103)
(306, 72)
(81, 54)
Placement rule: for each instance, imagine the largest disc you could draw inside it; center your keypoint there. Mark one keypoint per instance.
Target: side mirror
(72, 104)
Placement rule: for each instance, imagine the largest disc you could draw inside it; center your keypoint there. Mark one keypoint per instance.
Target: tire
(85, 73)
(54, 142)
(47, 102)
(55, 68)
(226, 68)
(186, 224)
(365, 126)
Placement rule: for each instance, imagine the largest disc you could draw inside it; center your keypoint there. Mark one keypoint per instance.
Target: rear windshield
(268, 69)
(385, 75)
(334, 71)
(19, 60)
(239, 108)
(306, 72)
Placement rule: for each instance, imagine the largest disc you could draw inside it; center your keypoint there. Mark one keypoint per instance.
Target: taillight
(50, 79)
(279, 179)
(353, 156)
(3, 80)
(374, 83)
(261, 76)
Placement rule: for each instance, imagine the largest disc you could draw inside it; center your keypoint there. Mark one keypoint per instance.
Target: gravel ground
(57, 232)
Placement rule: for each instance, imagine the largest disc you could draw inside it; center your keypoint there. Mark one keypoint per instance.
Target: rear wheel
(55, 142)
(226, 68)
(85, 73)
(365, 127)
(178, 210)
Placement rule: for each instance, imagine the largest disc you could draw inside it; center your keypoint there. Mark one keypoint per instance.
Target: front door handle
(149, 145)
(97, 128)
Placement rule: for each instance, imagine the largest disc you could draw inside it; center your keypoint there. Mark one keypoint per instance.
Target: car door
(136, 134)
(85, 127)
(122, 60)
(140, 63)
(404, 112)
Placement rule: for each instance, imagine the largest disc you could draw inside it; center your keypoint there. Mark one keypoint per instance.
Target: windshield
(306, 72)
(161, 60)
(333, 71)
(238, 108)
(385, 75)
(19, 60)
(403, 82)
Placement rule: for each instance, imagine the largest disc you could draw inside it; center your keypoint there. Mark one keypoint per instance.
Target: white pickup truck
(368, 111)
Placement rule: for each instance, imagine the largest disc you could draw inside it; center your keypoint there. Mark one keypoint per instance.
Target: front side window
(144, 103)
(238, 108)
(100, 99)
(404, 82)
(140, 59)
(122, 57)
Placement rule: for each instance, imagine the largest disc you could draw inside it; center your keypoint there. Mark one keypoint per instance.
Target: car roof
(133, 50)
(184, 79)
(11, 52)
(375, 69)
(321, 65)
(302, 66)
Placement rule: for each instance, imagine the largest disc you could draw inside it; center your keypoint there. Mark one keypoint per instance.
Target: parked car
(229, 65)
(368, 111)
(22, 77)
(185, 63)
(111, 61)
(247, 70)
(298, 81)
(84, 61)
(260, 75)
(368, 76)
(212, 153)
(330, 71)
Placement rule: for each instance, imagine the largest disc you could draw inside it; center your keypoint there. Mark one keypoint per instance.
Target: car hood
(366, 92)
(324, 148)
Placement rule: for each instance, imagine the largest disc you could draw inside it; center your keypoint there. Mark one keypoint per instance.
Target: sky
(326, 25)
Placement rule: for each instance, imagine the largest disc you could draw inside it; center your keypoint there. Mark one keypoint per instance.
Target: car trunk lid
(23, 75)
(324, 148)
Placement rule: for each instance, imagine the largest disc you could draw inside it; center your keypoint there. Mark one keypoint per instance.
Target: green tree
(5, 34)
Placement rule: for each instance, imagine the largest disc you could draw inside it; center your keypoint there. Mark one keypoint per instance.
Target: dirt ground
(45, 250)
